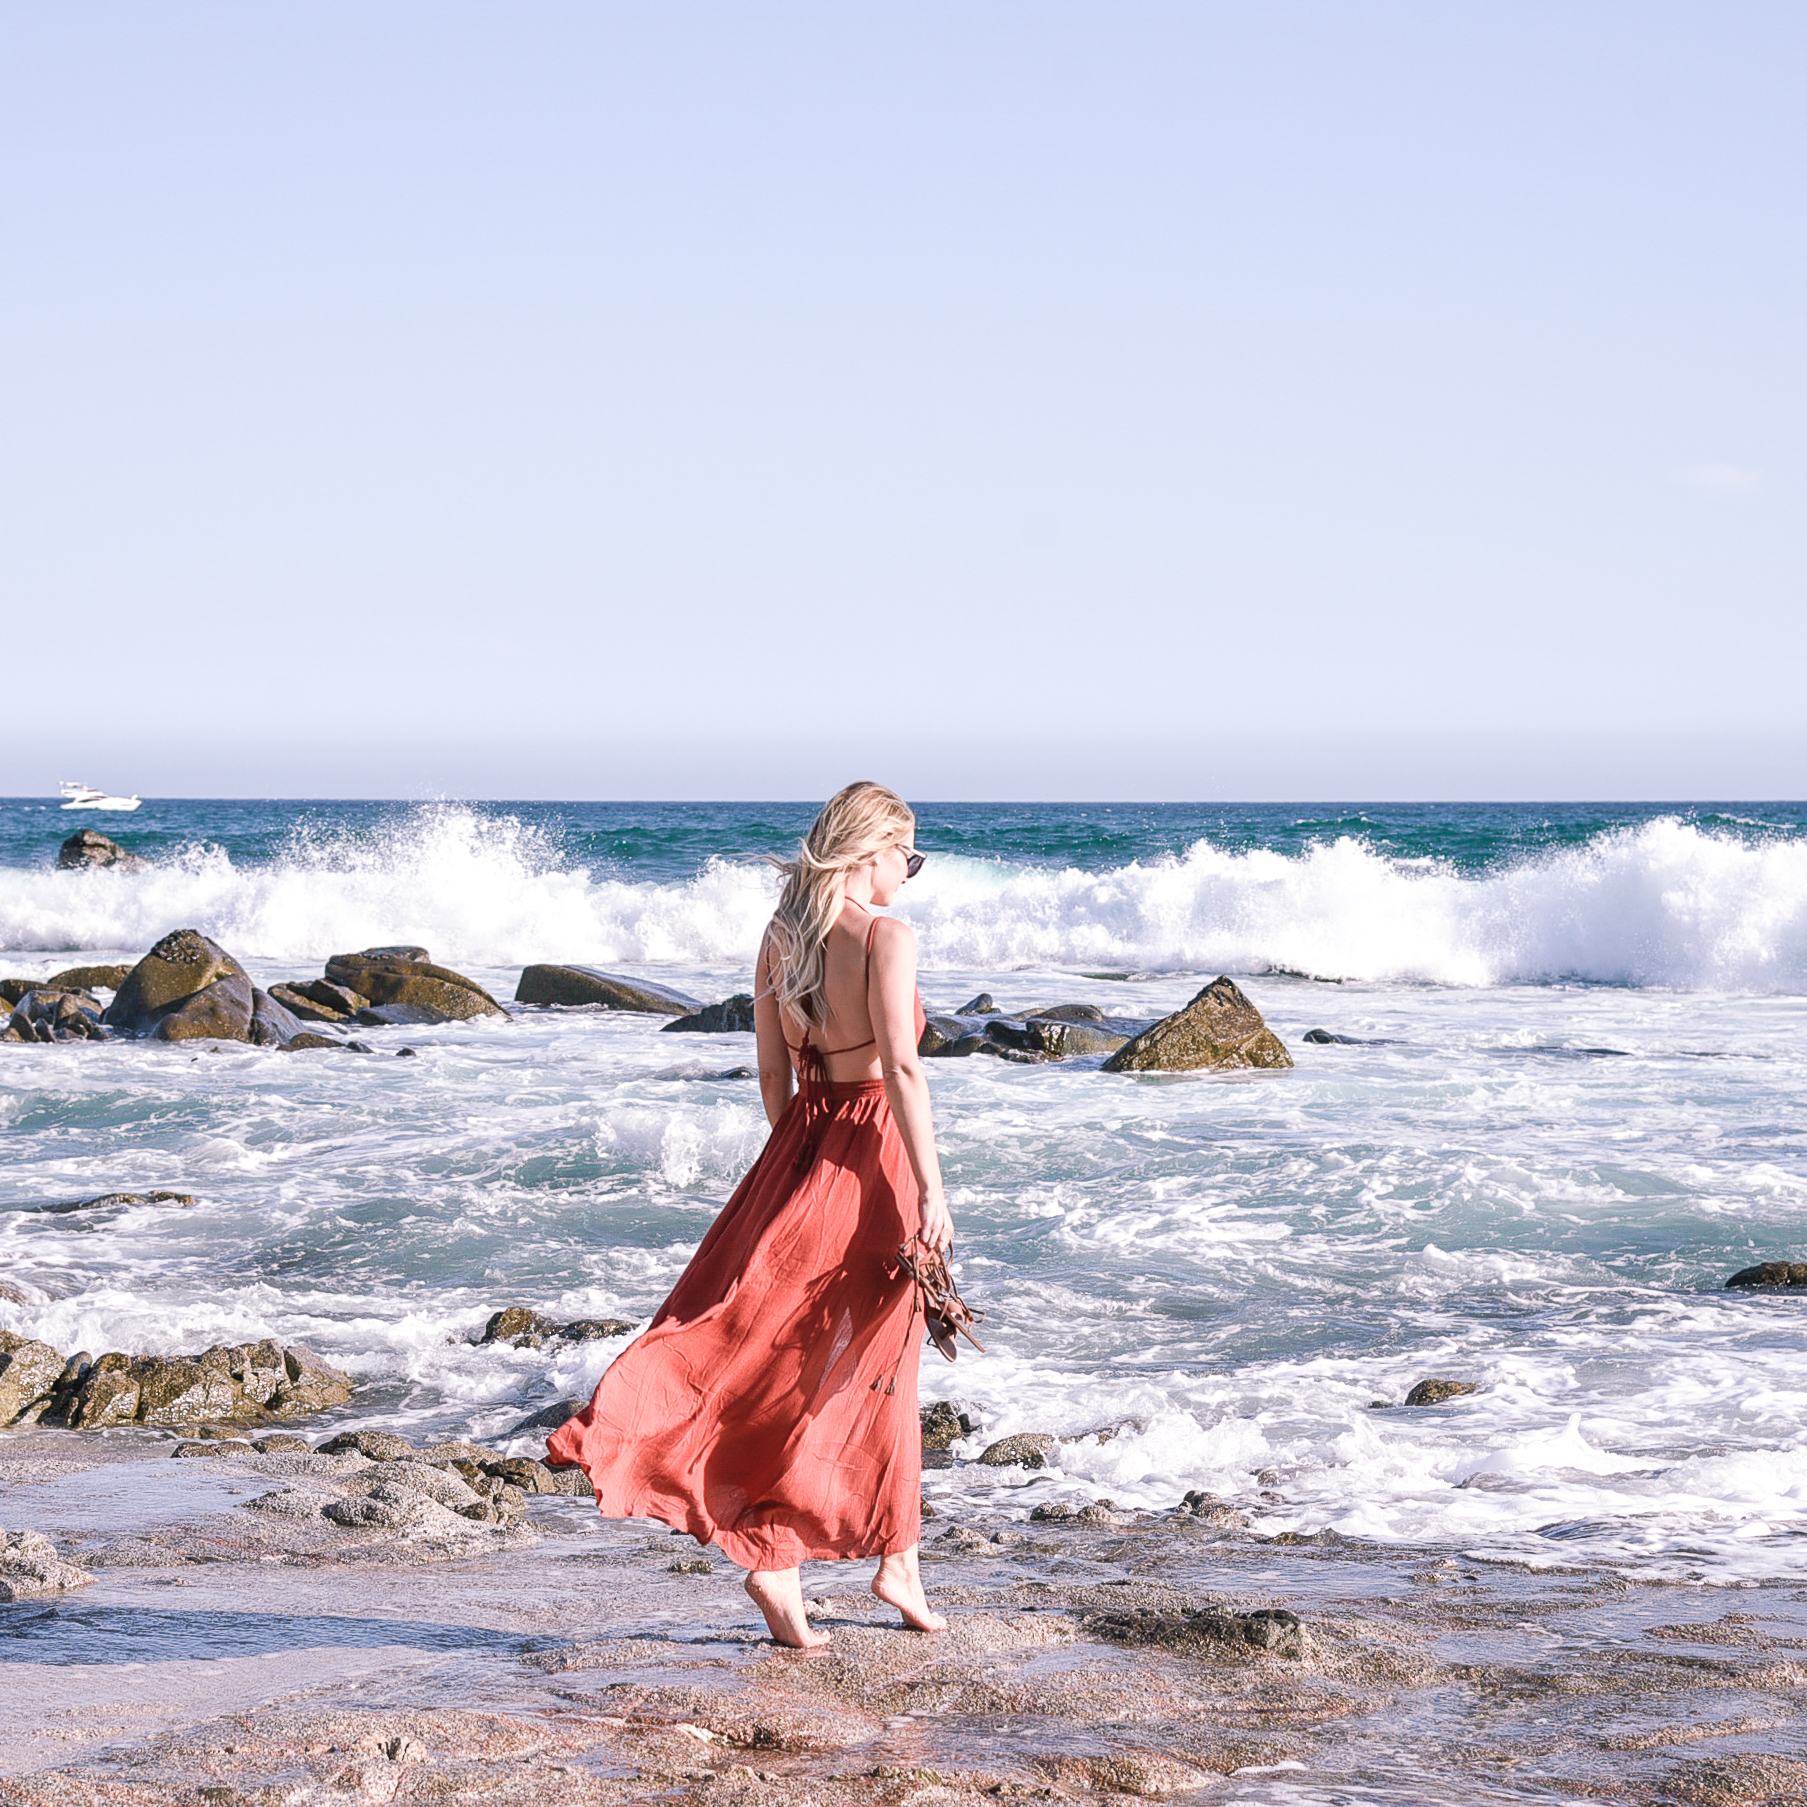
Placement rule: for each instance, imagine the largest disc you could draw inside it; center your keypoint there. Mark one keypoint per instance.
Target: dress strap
(806, 1053)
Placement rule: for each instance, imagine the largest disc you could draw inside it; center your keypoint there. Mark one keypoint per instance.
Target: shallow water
(1531, 1181)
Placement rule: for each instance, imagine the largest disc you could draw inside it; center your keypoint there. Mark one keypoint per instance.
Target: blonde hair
(856, 823)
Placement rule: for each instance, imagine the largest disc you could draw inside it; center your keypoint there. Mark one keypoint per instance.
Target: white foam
(1662, 904)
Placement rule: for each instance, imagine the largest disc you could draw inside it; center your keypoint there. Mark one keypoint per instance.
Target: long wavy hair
(856, 823)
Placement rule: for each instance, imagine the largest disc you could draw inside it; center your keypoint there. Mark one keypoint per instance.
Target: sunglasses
(912, 864)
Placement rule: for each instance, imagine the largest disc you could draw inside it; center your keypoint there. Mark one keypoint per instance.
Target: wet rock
(1220, 1028)
(186, 988)
(982, 1005)
(12, 990)
(578, 985)
(320, 1001)
(1208, 1509)
(1027, 1449)
(299, 1044)
(282, 1444)
(243, 1383)
(403, 978)
(942, 1035)
(374, 1446)
(525, 1329)
(550, 1418)
(1434, 1391)
(28, 1371)
(1059, 1512)
(1772, 1273)
(87, 978)
(1205, 1631)
(1324, 1038)
(30, 1568)
(1067, 1013)
(62, 1209)
(942, 1425)
(88, 847)
(44, 1015)
(733, 1016)
(215, 1447)
(272, 1025)
(525, 1473)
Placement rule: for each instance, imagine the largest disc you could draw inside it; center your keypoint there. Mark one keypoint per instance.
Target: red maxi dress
(771, 1406)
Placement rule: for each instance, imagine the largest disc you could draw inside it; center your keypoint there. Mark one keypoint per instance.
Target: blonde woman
(771, 1407)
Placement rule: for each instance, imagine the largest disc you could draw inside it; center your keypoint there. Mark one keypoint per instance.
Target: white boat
(85, 796)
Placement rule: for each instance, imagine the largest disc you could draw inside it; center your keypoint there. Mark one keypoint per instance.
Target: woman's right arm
(776, 1080)
(891, 998)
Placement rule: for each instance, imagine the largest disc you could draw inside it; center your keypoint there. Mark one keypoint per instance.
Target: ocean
(1573, 1107)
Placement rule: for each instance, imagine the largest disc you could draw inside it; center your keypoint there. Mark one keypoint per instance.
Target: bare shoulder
(892, 938)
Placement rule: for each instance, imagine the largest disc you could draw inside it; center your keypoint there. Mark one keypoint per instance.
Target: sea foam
(1663, 904)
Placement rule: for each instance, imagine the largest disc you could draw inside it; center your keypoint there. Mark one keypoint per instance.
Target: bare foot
(778, 1593)
(899, 1583)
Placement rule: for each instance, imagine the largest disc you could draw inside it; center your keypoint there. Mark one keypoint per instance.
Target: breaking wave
(1662, 904)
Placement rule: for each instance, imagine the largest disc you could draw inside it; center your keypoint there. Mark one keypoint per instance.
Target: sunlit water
(1577, 1110)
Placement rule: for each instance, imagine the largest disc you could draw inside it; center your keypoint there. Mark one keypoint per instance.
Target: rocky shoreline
(549, 1656)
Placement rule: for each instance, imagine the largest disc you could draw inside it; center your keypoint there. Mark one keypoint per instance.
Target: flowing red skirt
(771, 1407)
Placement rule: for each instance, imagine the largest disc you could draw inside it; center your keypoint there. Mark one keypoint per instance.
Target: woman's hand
(937, 1230)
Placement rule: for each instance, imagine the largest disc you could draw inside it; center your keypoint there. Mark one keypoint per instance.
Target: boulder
(1324, 1039)
(1023, 1039)
(28, 1371)
(1219, 1028)
(185, 988)
(373, 1446)
(942, 1425)
(732, 1016)
(299, 1044)
(88, 847)
(245, 1383)
(87, 978)
(1027, 1449)
(1772, 1273)
(272, 1026)
(982, 1005)
(578, 985)
(12, 990)
(55, 1016)
(320, 1000)
(549, 1418)
(30, 1568)
(1434, 1392)
(399, 1016)
(1067, 1013)
(404, 976)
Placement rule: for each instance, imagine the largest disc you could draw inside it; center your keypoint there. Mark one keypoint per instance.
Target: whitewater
(1571, 1107)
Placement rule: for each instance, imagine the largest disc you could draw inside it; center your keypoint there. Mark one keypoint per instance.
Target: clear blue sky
(1328, 400)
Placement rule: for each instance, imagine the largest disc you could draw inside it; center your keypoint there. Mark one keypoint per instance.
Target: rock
(1022, 1039)
(942, 1425)
(1219, 1028)
(1208, 1509)
(28, 1372)
(185, 988)
(982, 1005)
(1205, 1631)
(87, 978)
(374, 1446)
(1027, 1449)
(1771, 1273)
(517, 1325)
(12, 990)
(44, 1015)
(1098, 1512)
(586, 1330)
(118, 1198)
(442, 1485)
(733, 1016)
(525, 1473)
(1324, 1038)
(941, 1035)
(88, 847)
(282, 1444)
(549, 1418)
(405, 977)
(1434, 1392)
(320, 1001)
(30, 1568)
(578, 985)
(1068, 1013)
(272, 1025)
(299, 1044)
(219, 1446)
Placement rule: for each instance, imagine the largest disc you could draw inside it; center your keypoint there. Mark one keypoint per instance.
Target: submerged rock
(549, 1418)
(1205, 1631)
(87, 978)
(1027, 1449)
(1029, 1040)
(403, 978)
(732, 1016)
(88, 847)
(1434, 1391)
(1772, 1273)
(30, 1568)
(1220, 1028)
(1323, 1038)
(62, 1209)
(186, 988)
(579, 985)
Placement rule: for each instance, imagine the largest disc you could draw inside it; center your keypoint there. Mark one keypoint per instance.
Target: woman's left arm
(776, 1079)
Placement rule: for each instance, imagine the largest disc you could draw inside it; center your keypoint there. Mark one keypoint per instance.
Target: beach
(1544, 1102)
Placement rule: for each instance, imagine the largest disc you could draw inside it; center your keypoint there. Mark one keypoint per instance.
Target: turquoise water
(1575, 1108)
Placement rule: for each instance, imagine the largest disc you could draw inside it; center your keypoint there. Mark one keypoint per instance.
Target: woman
(771, 1406)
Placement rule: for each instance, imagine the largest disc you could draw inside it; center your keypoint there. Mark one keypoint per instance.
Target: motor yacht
(85, 796)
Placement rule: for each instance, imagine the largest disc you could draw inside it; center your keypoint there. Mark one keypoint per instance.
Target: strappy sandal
(945, 1312)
